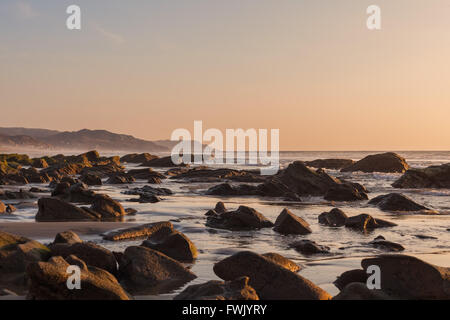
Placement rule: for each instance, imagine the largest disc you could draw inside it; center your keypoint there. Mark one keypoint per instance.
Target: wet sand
(48, 230)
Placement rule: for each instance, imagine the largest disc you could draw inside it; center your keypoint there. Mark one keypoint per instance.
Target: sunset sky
(309, 68)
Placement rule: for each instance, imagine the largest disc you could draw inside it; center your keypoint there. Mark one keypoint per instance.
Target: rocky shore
(158, 258)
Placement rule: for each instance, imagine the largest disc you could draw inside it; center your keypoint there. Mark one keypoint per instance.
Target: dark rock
(91, 253)
(120, 179)
(360, 291)
(154, 180)
(270, 280)
(39, 163)
(145, 174)
(308, 247)
(53, 209)
(220, 207)
(397, 202)
(145, 271)
(48, 281)
(143, 231)
(218, 290)
(16, 253)
(131, 211)
(383, 244)
(411, 278)
(203, 174)
(16, 195)
(356, 275)
(345, 192)
(335, 218)
(282, 261)
(108, 208)
(162, 162)
(91, 180)
(384, 162)
(330, 163)
(431, 177)
(244, 218)
(366, 222)
(175, 245)
(137, 157)
(289, 223)
(69, 237)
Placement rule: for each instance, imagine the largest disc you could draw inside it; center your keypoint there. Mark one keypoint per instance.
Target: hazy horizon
(312, 70)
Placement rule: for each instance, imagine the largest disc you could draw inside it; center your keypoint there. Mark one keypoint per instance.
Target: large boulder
(334, 218)
(330, 163)
(289, 223)
(431, 177)
(16, 253)
(53, 209)
(175, 245)
(237, 289)
(89, 252)
(411, 278)
(282, 261)
(364, 222)
(345, 192)
(270, 280)
(398, 202)
(244, 218)
(48, 281)
(143, 231)
(145, 271)
(383, 162)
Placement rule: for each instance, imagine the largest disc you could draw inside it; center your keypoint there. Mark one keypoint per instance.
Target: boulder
(145, 271)
(345, 192)
(335, 218)
(270, 280)
(360, 291)
(108, 208)
(411, 278)
(146, 173)
(334, 164)
(431, 177)
(16, 253)
(244, 218)
(384, 162)
(175, 245)
(289, 223)
(91, 253)
(68, 237)
(220, 207)
(381, 243)
(53, 209)
(2, 208)
(365, 222)
(91, 180)
(398, 202)
(48, 281)
(309, 247)
(202, 174)
(356, 275)
(237, 289)
(282, 261)
(143, 231)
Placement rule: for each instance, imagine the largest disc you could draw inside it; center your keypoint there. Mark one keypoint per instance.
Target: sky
(309, 68)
